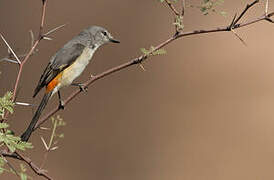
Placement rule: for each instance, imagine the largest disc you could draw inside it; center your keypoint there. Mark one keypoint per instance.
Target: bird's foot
(81, 86)
(61, 105)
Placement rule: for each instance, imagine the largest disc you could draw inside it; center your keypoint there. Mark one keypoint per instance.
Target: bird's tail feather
(26, 135)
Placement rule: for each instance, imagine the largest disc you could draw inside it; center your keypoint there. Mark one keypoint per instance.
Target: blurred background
(203, 111)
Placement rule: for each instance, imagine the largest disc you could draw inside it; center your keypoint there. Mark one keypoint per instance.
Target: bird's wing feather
(60, 61)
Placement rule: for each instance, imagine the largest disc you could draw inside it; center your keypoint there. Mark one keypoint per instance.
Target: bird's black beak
(114, 40)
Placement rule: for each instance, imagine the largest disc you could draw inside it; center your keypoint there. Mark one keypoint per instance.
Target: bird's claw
(61, 105)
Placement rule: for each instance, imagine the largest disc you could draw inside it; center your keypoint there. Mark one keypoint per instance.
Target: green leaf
(56, 123)
(6, 103)
(23, 145)
(152, 51)
(223, 13)
(1, 170)
(3, 125)
(2, 163)
(146, 52)
(23, 176)
(61, 135)
(14, 142)
(23, 168)
(11, 148)
(159, 52)
(179, 23)
(208, 6)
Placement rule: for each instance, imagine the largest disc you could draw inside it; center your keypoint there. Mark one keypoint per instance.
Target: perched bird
(66, 65)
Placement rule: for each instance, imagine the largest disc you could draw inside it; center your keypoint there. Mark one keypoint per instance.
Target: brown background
(204, 111)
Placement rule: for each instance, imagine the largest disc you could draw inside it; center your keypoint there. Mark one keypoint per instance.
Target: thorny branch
(234, 25)
(178, 18)
(28, 161)
(170, 5)
(21, 63)
(26, 58)
(144, 57)
(244, 11)
(33, 166)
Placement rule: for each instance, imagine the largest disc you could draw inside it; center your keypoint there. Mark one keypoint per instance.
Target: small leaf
(143, 50)
(223, 13)
(23, 168)
(6, 103)
(61, 135)
(3, 125)
(23, 176)
(153, 52)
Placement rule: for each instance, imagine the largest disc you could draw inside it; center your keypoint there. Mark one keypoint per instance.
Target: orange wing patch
(53, 83)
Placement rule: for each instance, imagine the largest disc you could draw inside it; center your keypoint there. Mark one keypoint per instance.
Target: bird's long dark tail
(26, 135)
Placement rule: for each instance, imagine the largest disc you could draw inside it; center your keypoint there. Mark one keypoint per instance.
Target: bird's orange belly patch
(53, 83)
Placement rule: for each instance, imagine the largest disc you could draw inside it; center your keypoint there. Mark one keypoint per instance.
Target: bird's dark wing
(62, 59)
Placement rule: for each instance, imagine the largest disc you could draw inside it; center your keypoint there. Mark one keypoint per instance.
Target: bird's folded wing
(62, 59)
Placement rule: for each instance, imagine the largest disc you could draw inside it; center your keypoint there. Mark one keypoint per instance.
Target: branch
(172, 8)
(39, 38)
(10, 166)
(28, 161)
(178, 18)
(144, 57)
(244, 11)
(34, 167)
(16, 155)
(22, 63)
(183, 7)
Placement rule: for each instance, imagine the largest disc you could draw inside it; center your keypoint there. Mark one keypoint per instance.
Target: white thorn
(45, 144)
(47, 38)
(9, 60)
(10, 49)
(266, 7)
(23, 104)
(54, 148)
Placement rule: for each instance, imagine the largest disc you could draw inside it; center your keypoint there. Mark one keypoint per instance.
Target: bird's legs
(61, 104)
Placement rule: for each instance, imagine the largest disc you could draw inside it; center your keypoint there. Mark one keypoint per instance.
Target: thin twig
(10, 165)
(54, 29)
(31, 51)
(245, 10)
(173, 9)
(183, 7)
(28, 161)
(33, 166)
(16, 155)
(31, 38)
(177, 17)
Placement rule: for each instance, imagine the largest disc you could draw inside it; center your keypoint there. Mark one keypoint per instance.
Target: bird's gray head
(100, 35)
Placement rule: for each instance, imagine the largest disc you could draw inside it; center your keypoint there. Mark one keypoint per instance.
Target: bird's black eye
(104, 33)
